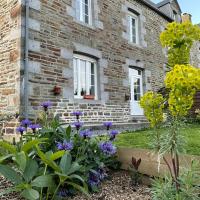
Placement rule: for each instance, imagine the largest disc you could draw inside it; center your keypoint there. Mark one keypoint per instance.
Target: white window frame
(82, 15)
(88, 60)
(136, 18)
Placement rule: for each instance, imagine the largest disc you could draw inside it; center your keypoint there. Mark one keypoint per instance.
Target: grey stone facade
(55, 35)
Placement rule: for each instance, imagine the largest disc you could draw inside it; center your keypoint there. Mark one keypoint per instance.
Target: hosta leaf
(43, 181)
(30, 170)
(9, 147)
(30, 194)
(10, 174)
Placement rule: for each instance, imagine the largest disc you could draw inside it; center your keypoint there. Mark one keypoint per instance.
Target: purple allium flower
(34, 127)
(77, 114)
(78, 125)
(94, 179)
(21, 129)
(107, 125)
(113, 134)
(86, 134)
(67, 146)
(107, 148)
(46, 105)
(25, 122)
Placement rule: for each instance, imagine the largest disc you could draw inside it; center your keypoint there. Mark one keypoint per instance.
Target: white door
(135, 77)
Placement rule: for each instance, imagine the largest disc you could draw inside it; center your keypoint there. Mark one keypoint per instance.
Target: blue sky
(189, 6)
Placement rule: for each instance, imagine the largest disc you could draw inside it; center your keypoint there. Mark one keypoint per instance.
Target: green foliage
(153, 105)
(189, 186)
(178, 38)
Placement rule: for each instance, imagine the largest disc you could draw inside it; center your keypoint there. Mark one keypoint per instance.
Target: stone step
(121, 127)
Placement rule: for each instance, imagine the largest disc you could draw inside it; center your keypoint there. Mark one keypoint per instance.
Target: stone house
(97, 56)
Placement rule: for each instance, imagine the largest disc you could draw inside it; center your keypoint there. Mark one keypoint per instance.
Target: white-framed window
(134, 28)
(84, 11)
(85, 77)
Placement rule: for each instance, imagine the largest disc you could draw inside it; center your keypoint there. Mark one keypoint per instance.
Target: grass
(141, 139)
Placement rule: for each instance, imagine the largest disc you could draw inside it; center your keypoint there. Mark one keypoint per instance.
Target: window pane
(134, 30)
(83, 77)
(137, 89)
(75, 77)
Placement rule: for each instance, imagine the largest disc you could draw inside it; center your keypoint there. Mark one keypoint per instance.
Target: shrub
(72, 159)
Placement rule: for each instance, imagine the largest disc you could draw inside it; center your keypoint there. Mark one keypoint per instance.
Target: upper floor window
(134, 28)
(84, 11)
(85, 77)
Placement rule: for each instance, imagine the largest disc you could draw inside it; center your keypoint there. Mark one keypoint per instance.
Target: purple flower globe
(78, 125)
(107, 125)
(67, 146)
(21, 129)
(113, 134)
(34, 127)
(86, 134)
(94, 178)
(46, 105)
(25, 123)
(107, 148)
(77, 114)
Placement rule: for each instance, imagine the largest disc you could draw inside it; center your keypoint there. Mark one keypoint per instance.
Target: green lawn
(140, 139)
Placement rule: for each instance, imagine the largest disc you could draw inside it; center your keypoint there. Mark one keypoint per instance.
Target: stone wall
(55, 35)
(10, 42)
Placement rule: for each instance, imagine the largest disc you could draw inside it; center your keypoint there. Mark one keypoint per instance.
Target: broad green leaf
(68, 133)
(75, 176)
(29, 145)
(20, 159)
(43, 181)
(74, 167)
(3, 158)
(47, 161)
(84, 190)
(57, 155)
(9, 147)
(10, 174)
(30, 194)
(30, 170)
(65, 163)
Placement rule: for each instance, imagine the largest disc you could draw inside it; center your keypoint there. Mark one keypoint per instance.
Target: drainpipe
(26, 95)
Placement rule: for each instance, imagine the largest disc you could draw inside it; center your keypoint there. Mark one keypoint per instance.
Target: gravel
(117, 187)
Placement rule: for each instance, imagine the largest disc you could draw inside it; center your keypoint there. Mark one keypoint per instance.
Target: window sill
(87, 101)
(136, 45)
(84, 24)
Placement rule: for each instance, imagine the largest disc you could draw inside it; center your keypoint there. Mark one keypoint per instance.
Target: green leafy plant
(25, 176)
(67, 171)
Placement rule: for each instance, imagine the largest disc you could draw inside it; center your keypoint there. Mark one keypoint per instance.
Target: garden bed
(117, 187)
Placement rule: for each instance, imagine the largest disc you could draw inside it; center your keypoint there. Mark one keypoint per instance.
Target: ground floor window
(85, 77)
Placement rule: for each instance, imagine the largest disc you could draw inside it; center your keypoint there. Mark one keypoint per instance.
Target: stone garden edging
(149, 164)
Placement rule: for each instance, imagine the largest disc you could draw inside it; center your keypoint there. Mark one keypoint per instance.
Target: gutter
(26, 95)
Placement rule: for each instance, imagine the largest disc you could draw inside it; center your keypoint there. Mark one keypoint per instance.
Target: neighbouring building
(97, 56)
